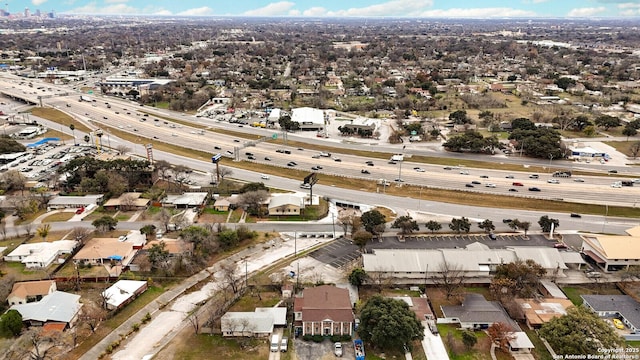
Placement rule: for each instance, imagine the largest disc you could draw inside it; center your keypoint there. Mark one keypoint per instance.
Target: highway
(129, 117)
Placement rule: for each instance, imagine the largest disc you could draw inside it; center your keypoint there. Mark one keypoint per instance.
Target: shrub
(307, 337)
(336, 338)
(346, 338)
(318, 338)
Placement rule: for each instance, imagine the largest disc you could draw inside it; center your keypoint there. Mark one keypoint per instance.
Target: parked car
(618, 324)
(560, 245)
(337, 349)
(80, 210)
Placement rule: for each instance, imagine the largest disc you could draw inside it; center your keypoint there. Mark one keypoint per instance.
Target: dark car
(363, 171)
(506, 221)
(291, 164)
(251, 157)
(266, 158)
(613, 171)
(468, 185)
(475, 182)
(574, 215)
(513, 190)
(217, 147)
(484, 176)
(534, 189)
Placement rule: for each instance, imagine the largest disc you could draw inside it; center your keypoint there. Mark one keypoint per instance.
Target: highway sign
(274, 136)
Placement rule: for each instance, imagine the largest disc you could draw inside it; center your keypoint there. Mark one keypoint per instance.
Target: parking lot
(342, 252)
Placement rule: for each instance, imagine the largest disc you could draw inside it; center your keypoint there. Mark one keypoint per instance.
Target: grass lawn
(251, 300)
(59, 117)
(574, 292)
(21, 273)
(61, 216)
(204, 346)
(623, 146)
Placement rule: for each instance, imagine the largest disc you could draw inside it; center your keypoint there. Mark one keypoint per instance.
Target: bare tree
(164, 168)
(450, 277)
(104, 299)
(165, 218)
(3, 229)
(225, 171)
(252, 201)
(92, 315)
(128, 202)
(230, 276)
(194, 320)
(41, 345)
(28, 229)
(80, 234)
(122, 149)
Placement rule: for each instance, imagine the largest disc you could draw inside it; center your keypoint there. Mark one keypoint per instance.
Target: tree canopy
(389, 323)
(472, 141)
(10, 324)
(580, 331)
(8, 145)
(523, 277)
(406, 224)
(371, 219)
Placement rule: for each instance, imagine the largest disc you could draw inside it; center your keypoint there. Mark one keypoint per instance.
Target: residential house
(285, 204)
(127, 202)
(114, 255)
(66, 202)
(29, 291)
(41, 254)
(540, 311)
(623, 307)
(186, 200)
(123, 292)
(58, 307)
(613, 252)
(324, 310)
(259, 323)
(476, 313)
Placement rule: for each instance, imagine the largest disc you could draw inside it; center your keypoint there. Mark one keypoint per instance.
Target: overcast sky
(340, 8)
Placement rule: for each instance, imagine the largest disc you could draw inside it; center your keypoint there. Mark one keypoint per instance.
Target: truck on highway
(358, 347)
(86, 98)
(397, 157)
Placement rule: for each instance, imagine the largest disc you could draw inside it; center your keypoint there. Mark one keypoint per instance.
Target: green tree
(460, 225)
(361, 238)
(433, 226)
(10, 324)
(629, 130)
(105, 223)
(607, 121)
(580, 331)
(459, 117)
(487, 226)
(389, 323)
(228, 238)
(254, 186)
(565, 82)
(159, 256)
(406, 224)
(357, 277)
(525, 275)
(8, 145)
(372, 218)
(148, 230)
(524, 225)
(545, 223)
(43, 231)
(469, 339)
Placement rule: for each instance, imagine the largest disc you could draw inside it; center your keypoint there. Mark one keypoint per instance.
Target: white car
(464, 172)
(264, 177)
(553, 181)
(616, 185)
(490, 185)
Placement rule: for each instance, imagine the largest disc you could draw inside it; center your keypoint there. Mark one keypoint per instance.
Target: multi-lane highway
(143, 123)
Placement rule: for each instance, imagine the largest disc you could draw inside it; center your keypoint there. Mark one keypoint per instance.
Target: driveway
(433, 345)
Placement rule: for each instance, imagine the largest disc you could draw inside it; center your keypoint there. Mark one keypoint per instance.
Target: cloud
(584, 12)
(315, 11)
(479, 13)
(201, 11)
(117, 9)
(38, 2)
(390, 8)
(273, 9)
(629, 6)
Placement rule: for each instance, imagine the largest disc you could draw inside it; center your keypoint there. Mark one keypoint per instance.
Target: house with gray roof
(476, 312)
(58, 307)
(259, 323)
(285, 204)
(186, 200)
(623, 307)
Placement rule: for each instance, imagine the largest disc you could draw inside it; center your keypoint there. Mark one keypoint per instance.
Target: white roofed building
(308, 118)
(42, 254)
(123, 292)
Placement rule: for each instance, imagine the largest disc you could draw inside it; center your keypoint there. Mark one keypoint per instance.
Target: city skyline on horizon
(528, 9)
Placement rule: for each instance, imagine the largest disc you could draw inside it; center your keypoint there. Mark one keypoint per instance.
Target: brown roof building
(324, 310)
(538, 312)
(30, 291)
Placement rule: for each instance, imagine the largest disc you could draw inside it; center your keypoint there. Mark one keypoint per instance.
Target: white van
(275, 343)
(284, 344)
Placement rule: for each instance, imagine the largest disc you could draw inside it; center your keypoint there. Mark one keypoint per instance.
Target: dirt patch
(212, 218)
